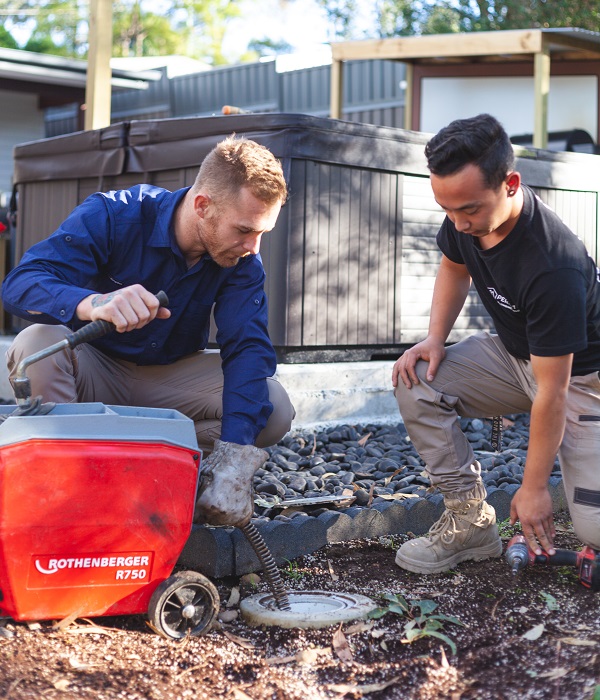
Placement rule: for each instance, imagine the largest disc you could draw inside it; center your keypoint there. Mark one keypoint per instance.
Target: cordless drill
(587, 562)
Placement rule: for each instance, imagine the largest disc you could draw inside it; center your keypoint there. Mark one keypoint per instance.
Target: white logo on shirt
(502, 301)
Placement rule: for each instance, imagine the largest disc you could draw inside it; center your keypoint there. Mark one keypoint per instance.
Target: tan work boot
(466, 530)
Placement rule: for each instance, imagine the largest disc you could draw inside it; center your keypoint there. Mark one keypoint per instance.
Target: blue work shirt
(115, 239)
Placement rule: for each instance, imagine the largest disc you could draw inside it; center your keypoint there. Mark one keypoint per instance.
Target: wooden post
(99, 74)
(336, 89)
(408, 95)
(541, 89)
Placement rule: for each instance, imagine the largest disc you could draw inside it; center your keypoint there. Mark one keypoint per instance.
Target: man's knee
(33, 339)
(588, 529)
(280, 421)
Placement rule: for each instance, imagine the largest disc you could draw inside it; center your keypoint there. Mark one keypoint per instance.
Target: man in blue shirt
(201, 246)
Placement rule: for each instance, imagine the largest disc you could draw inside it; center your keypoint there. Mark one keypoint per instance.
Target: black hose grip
(93, 330)
(96, 329)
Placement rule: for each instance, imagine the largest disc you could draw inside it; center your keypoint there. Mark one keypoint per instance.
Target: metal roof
(45, 69)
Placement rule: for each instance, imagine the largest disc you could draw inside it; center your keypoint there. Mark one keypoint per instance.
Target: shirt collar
(163, 233)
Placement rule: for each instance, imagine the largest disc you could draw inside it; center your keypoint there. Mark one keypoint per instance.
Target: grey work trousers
(192, 385)
(478, 378)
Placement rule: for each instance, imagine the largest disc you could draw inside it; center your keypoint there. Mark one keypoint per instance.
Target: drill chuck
(517, 556)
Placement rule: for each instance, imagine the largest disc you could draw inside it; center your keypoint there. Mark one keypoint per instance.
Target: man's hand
(127, 308)
(431, 350)
(225, 496)
(533, 508)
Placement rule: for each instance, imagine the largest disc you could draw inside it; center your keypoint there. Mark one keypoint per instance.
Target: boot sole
(475, 554)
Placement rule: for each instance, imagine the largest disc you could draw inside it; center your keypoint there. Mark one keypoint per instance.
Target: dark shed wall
(351, 263)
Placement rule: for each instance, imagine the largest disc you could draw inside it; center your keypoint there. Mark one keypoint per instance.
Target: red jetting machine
(96, 504)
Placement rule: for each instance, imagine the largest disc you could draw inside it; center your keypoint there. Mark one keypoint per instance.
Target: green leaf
(432, 624)
(412, 634)
(551, 602)
(596, 695)
(396, 608)
(444, 638)
(426, 606)
(377, 613)
(449, 618)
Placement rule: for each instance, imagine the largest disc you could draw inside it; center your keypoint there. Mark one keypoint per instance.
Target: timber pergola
(541, 47)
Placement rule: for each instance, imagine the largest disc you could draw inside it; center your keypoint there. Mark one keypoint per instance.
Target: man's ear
(202, 204)
(513, 182)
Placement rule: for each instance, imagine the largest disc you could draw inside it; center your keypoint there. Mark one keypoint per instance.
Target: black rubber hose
(269, 567)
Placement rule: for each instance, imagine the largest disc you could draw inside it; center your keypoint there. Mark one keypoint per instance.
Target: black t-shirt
(539, 285)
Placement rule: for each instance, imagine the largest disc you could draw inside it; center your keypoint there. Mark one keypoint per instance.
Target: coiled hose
(269, 567)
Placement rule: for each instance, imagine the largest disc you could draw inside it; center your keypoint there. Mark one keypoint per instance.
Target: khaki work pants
(192, 385)
(478, 378)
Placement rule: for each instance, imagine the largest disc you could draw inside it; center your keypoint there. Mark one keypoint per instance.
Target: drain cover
(309, 609)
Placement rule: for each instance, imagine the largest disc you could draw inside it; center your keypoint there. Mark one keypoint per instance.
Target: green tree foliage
(203, 23)
(405, 17)
(341, 15)
(7, 41)
(193, 27)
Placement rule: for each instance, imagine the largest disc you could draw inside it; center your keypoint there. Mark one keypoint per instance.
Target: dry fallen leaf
(396, 496)
(79, 665)
(234, 597)
(534, 633)
(363, 441)
(309, 656)
(340, 646)
(576, 641)
(360, 626)
(66, 621)
(334, 576)
(364, 689)
(62, 684)
(555, 673)
(240, 641)
(89, 630)
(240, 695)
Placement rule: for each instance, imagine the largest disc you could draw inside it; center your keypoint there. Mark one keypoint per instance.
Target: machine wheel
(184, 604)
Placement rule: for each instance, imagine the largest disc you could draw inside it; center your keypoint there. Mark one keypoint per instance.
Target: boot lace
(445, 528)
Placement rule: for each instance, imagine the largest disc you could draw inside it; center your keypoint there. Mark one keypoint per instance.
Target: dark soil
(536, 636)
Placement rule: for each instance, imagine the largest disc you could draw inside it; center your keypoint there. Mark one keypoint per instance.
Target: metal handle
(91, 331)
(96, 329)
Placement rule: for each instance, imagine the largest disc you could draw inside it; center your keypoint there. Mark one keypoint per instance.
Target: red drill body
(587, 562)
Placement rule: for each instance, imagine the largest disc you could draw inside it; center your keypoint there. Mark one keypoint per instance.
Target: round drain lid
(309, 609)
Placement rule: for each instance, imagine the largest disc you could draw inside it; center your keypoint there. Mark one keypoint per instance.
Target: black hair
(479, 140)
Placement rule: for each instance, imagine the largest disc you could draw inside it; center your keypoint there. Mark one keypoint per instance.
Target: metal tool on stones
(87, 526)
(586, 562)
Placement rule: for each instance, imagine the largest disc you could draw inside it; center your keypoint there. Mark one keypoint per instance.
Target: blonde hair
(238, 162)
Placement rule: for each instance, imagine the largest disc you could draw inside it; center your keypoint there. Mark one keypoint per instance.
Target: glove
(225, 496)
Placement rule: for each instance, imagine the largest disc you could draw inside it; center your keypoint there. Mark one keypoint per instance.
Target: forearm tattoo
(103, 299)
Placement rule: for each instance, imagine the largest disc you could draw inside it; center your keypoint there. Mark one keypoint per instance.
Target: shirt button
(257, 302)
(153, 345)
(68, 239)
(62, 312)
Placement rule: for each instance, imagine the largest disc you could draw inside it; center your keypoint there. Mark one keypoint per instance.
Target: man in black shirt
(542, 290)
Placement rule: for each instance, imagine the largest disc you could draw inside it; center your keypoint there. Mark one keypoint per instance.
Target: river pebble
(374, 462)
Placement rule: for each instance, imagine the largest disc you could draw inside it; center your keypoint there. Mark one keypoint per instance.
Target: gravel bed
(375, 463)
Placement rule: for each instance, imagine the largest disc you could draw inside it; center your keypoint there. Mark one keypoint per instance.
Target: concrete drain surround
(309, 609)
